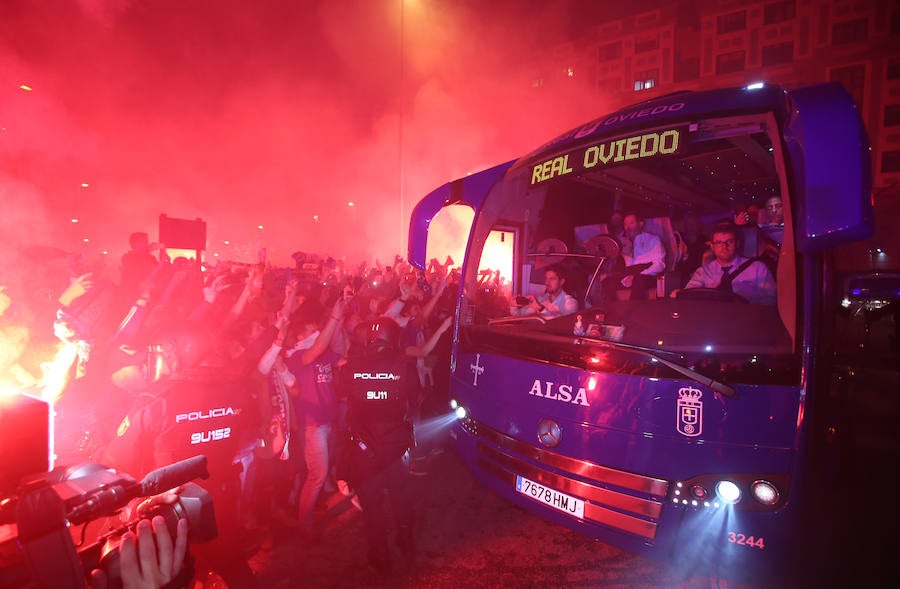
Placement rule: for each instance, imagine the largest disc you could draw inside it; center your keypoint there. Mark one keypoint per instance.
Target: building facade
(696, 44)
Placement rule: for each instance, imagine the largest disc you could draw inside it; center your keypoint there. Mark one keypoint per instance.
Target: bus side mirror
(826, 137)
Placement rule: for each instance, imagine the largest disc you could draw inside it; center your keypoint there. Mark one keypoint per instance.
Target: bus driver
(747, 277)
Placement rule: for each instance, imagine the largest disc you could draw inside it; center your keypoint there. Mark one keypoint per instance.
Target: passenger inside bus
(766, 231)
(554, 302)
(772, 231)
(644, 259)
(730, 275)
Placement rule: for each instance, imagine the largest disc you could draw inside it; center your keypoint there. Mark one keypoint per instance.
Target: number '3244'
(744, 540)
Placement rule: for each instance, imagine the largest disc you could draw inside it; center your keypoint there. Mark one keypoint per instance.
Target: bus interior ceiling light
(728, 491)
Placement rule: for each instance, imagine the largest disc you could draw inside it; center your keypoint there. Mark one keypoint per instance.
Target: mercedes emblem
(549, 433)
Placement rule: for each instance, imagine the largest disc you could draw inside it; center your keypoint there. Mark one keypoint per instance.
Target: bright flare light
(453, 404)
(460, 412)
(728, 492)
(498, 253)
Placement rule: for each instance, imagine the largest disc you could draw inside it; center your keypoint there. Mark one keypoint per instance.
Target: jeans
(316, 453)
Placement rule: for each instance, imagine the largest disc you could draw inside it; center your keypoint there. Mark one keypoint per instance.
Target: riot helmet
(383, 334)
(175, 348)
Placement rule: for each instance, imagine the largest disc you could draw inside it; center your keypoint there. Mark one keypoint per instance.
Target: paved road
(467, 538)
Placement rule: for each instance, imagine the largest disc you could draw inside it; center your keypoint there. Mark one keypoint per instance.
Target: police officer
(378, 401)
(193, 405)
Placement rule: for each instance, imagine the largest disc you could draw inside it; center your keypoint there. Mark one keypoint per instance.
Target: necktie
(725, 282)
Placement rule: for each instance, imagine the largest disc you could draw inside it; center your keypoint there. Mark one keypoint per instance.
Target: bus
(683, 424)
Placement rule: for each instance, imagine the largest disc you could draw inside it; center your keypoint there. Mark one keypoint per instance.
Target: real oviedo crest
(690, 412)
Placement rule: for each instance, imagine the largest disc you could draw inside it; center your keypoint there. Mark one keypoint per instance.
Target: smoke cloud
(274, 114)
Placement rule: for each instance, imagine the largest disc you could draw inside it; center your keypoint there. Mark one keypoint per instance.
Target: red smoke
(275, 114)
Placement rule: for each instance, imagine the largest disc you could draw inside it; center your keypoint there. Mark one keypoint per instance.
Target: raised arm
(428, 346)
(321, 344)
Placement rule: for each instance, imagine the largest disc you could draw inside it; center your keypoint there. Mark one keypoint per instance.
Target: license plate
(550, 497)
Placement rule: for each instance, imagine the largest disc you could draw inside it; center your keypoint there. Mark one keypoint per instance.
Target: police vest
(377, 396)
(206, 414)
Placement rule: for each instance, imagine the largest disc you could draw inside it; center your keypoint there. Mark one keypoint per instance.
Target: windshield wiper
(717, 386)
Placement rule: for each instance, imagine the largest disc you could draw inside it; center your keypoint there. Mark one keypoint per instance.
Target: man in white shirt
(554, 302)
(730, 271)
(639, 247)
(644, 256)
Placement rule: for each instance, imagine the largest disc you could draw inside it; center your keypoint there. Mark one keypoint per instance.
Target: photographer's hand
(145, 563)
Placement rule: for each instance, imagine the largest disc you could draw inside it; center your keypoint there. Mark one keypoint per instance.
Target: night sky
(275, 113)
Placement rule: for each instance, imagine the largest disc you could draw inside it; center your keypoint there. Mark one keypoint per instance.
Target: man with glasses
(730, 271)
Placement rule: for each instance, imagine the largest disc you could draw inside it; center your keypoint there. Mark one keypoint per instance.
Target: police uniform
(378, 388)
(202, 413)
(205, 412)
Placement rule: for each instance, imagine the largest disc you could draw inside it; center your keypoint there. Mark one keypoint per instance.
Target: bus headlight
(728, 492)
(458, 410)
(764, 492)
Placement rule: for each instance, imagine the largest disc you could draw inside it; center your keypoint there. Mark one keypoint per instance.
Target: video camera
(38, 516)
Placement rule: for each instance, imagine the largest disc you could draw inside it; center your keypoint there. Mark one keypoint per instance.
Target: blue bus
(674, 422)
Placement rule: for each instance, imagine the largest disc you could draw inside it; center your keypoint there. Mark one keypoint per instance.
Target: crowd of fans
(284, 333)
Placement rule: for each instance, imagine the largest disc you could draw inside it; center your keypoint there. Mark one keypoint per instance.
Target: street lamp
(401, 233)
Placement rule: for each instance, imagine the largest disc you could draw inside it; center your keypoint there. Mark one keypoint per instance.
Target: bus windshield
(638, 229)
